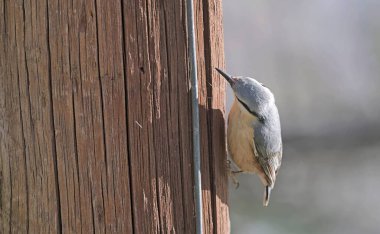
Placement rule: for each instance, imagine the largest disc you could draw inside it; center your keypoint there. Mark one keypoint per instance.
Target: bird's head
(252, 94)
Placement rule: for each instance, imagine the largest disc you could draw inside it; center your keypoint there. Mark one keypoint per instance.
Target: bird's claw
(235, 181)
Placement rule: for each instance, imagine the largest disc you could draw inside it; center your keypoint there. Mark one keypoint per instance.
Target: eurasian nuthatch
(254, 131)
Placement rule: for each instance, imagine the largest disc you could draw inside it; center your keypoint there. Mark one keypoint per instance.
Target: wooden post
(95, 117)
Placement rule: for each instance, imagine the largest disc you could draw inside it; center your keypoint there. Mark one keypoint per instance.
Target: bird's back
(268, 143)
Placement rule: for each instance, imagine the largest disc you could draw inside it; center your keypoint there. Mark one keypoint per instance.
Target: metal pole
(195, 115)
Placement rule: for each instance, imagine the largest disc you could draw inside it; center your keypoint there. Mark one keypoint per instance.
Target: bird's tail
(267, 195)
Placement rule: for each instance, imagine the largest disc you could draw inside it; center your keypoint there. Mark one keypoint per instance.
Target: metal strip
(195, 115)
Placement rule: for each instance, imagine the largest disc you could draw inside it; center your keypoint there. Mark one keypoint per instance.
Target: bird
(254, 140)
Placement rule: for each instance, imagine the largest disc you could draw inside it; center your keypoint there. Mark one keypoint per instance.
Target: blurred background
(321, 59)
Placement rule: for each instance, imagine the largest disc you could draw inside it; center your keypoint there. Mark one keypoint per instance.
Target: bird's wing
(269, 161)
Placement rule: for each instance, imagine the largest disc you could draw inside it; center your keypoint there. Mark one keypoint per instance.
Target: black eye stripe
(259, 117)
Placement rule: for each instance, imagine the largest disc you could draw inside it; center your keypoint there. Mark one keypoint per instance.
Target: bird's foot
(233, 174)
(234, 179)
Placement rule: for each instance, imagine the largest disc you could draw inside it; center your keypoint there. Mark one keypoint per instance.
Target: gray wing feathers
(270, 162)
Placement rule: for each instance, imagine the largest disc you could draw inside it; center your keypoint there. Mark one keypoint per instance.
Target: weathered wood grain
(95, 117)
(29, 127)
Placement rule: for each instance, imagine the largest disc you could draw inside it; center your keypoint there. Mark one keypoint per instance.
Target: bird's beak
(226, 76)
